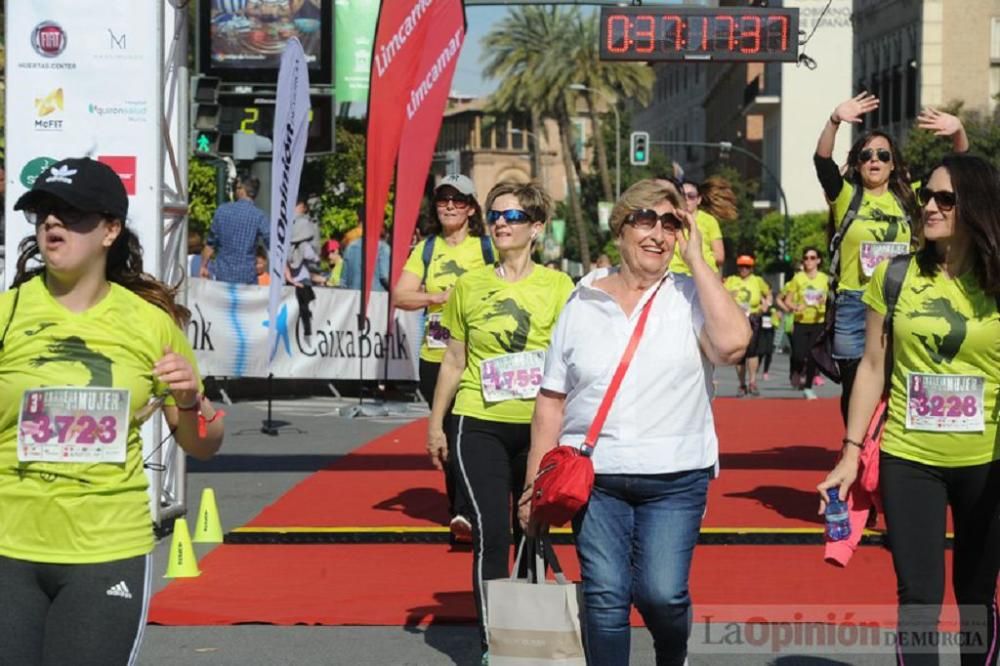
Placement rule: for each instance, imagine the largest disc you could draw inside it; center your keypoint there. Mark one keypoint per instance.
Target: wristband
(848, 440)
(835, 122)
(195, 404)
(203, 423)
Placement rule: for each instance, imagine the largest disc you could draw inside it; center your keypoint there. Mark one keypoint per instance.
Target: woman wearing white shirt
(658, 448)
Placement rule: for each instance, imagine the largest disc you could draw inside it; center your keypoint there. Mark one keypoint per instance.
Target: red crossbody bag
(566, 473)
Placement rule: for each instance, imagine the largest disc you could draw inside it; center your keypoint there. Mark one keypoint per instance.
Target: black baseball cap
(85, 184)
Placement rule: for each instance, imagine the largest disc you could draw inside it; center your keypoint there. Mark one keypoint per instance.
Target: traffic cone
(182, 562)
(208, 529)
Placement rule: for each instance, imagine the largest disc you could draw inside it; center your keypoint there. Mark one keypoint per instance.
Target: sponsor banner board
(88, 84)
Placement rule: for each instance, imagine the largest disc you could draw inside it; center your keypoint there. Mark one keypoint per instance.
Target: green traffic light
(204, 145)
(640, 155)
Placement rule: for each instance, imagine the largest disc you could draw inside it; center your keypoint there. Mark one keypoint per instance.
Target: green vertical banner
(354, 22)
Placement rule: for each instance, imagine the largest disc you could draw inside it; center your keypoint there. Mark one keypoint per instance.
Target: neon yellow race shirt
(942, 327)
(447, 264)
(72, 512)
(496, 318)
(879, 232)
(749, 293)
(710, 231)
(811, 292)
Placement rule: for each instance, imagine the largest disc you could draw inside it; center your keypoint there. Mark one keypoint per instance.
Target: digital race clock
(692, 33)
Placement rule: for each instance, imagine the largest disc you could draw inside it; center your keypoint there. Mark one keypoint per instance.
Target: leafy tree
(202, 192)
(807, 229)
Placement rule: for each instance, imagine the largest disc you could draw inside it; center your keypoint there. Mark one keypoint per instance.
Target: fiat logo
(48, 39)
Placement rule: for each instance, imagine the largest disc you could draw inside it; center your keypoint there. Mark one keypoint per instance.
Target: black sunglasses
(646, 219)
(65, 213)
(945, 199)
(511, 215)
(457, 200)
(882, 154)
(811, 257)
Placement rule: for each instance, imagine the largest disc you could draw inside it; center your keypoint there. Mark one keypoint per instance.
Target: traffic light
(205, 112)
(639, 144)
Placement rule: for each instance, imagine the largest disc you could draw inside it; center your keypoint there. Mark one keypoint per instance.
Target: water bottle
(838, 522)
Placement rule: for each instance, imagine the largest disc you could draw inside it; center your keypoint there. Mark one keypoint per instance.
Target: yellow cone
(208, 529)
(182, 563)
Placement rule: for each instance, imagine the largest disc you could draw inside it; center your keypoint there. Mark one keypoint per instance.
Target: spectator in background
(237, 228)
(350, 277)
(196, 243)
(260, 268)
(603, 261)
(304, 226)
(334, 262)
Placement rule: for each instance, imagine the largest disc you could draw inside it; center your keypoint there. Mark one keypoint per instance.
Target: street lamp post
(618, 133)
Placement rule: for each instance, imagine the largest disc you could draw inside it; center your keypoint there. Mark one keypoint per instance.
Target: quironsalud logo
(133, 111)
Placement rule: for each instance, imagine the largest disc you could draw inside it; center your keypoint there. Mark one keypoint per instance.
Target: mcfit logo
(45, 108)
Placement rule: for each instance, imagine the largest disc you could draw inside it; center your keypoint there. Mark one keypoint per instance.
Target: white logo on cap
(61, 174)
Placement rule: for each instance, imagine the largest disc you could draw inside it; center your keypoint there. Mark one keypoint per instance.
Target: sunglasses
(882, 154)
(459, 201)
(65, 213)
(646, 219)
(511, 215)
(811, 257)
(691, 195)
(944, 199)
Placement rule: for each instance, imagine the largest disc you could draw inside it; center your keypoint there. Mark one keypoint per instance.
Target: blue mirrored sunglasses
(512, 215)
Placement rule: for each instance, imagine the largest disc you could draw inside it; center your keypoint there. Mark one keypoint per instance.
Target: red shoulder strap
(590, 441)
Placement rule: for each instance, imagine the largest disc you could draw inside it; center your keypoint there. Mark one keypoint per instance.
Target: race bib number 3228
(945, 403)
(72, 424)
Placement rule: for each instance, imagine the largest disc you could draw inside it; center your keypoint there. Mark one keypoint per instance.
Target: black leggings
(85, 614)
(802, 363)
(457, 504)
(848, 371)
(916, 499)
(492, 460)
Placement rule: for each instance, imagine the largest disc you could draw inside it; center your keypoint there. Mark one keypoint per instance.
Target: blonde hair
(352, 235)
(718, 199)
(535, 201)
(643, 194)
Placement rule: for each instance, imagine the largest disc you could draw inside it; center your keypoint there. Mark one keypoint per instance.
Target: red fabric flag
(409, 84)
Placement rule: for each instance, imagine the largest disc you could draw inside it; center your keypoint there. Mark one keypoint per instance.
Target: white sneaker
(809, 394)
(461, 529)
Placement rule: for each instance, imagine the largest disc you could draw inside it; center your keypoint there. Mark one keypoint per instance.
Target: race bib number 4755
(79, 425)
(512, 377)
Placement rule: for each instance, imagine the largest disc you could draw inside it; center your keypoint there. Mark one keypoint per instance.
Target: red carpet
(773, 454)
(421, 584)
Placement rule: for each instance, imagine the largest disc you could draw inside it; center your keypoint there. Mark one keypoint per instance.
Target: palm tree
(616, 80)
(534, 78)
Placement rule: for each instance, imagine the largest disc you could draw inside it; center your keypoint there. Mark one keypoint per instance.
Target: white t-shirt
(661, 420)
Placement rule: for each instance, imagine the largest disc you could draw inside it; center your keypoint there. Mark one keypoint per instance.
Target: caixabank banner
(229, 330)
(84, 79)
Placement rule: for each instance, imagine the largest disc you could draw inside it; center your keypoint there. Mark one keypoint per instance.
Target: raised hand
(851, 110)
(939, 122)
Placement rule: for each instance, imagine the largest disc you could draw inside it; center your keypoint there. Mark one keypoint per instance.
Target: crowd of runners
(517, 360)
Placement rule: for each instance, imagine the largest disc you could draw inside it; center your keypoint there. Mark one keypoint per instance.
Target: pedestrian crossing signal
(639, 153)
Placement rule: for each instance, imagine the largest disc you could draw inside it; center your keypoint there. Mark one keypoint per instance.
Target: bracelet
(195, 404)
(835, 122)
(203, 423)
(848, 440)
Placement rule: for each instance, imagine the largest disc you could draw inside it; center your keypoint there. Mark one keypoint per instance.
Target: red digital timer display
(690, 33)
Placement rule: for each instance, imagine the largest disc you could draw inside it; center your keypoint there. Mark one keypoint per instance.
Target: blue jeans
(849, 326)
(635, 539)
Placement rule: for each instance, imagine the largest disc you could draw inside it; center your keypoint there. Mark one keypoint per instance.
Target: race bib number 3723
(72, 424)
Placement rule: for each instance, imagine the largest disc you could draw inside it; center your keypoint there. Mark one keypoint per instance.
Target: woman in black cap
(89, 347)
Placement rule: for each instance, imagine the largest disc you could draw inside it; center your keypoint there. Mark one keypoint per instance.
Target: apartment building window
(501, 136)
(897, 95)
(911, 89)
